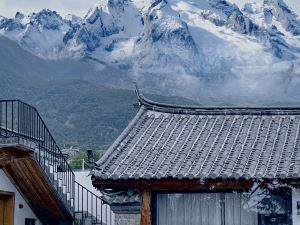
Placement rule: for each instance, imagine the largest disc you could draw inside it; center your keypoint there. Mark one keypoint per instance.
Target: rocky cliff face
(167, 38)
(149, 22)
(40, 33)
(278, 10)
(169, 42)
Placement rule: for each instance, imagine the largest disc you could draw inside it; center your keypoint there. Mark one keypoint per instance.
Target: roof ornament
(137, 91)
(213, 110)
(149, 104)
(91, 160)
(139, 95)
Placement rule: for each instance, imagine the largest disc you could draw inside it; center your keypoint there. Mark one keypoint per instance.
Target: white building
(37, 185)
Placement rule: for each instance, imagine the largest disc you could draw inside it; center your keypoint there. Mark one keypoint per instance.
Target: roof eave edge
(185, 109)
(121, 137)
(149, 104)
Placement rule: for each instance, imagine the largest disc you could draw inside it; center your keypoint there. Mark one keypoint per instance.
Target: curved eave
(213, 110)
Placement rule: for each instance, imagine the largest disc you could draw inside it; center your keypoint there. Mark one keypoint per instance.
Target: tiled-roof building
(172, 159)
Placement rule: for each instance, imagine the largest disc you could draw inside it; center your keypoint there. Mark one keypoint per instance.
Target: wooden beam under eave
(25, 172)
(146, 207)
(176, 185)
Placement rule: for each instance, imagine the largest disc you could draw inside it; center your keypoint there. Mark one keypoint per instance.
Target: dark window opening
(29, 221)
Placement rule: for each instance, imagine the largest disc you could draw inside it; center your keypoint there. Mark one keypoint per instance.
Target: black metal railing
(90, 208)
(21, 124)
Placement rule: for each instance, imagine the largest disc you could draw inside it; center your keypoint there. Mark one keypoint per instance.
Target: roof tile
(206, 143)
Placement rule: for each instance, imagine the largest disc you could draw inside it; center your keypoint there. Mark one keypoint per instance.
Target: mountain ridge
(177, 47)
(78, 111)
(107, 19)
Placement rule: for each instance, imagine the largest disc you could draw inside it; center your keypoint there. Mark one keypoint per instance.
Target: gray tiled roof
(165, 141)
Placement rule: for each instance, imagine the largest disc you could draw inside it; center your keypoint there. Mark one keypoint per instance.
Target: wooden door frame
(11, 201)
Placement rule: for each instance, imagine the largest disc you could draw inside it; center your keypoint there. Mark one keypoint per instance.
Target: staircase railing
(21, 124)
(90, 208)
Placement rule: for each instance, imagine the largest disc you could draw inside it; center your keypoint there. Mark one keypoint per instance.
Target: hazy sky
(8, 8)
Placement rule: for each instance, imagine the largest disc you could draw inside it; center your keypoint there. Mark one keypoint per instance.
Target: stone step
(85, 218)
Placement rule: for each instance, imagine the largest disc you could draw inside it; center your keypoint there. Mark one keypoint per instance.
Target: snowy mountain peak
(104, 25)
(167, 37)
(72, 19)
(283, 14)
(86, 35)
(93, 14)
(163, 24)
(40, 33)
(115, 5)
(19, 16)
(10, 25)
(113, 8)
(224, 6)
(46, 19)
(160, 38)
(101, 17)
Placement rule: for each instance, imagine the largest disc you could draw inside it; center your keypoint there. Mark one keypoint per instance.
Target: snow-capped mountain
(152, 29)
(40, 33)
(101, 21)
(174, 43)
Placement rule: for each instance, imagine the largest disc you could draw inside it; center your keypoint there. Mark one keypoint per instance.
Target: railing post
(96, 210)
(6, 117)
(18, 122)
(12, 116)
(1, 116)
(101, 210)
(82, 203)
(24, 122)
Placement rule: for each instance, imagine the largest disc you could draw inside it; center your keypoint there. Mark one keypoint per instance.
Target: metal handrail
(88, 204)
(23, 124)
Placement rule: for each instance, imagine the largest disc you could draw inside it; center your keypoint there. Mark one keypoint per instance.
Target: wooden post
(146, 207)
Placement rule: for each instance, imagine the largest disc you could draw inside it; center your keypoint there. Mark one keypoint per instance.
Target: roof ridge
(193, 109)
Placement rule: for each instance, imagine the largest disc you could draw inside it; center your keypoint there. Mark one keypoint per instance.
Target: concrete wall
(127, 219)
(19, 213)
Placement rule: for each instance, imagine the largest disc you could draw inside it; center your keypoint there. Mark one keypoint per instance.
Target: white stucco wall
(20, 214)
(82, 178)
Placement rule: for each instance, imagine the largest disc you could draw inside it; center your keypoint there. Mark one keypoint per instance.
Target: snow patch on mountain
(103, 27)
(40, 33)
(72, 19)
(166, 40)
(123, 26)
(171, 44)
(222, 47)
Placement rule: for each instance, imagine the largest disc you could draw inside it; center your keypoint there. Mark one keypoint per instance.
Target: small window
(29, 221)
